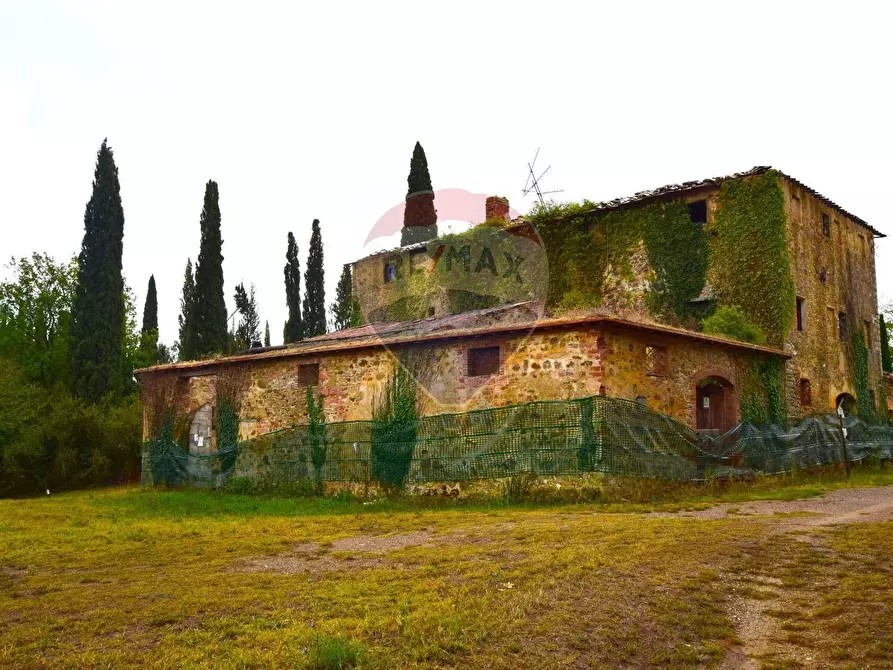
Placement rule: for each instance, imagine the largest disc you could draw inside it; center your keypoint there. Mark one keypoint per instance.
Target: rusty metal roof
(514, 318)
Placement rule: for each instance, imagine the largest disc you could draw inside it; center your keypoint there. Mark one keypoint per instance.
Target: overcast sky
(311, 111)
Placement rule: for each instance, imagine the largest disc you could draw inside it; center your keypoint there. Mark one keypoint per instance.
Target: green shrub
(49, 439)
(335, 653)
(396, 423)
(316, 433)
(730, 322)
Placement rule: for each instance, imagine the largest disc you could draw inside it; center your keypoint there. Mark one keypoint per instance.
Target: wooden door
(711, 406)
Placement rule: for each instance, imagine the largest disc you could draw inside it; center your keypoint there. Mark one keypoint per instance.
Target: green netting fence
(599, 434)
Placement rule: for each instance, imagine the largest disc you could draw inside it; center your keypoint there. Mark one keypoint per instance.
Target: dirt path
(837, 507)
(753, 625)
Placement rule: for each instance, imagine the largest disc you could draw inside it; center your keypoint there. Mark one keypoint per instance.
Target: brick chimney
(497, 208)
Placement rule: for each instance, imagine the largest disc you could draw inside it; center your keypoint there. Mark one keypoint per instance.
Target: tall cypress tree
(344, 305)
(266, 333)
(209, 307)
(419, 216)
(187, 298)
(886, 361)
(247, 333)
(150, 309)
(294, 327)
(98, 314)
(314, 288)
(149, 331)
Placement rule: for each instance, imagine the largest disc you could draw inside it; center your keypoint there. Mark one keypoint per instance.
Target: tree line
(204, 329)
(70, 413)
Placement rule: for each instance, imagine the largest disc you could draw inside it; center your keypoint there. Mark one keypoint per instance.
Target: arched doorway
(201, 431)
(715, 406)
(850, 406)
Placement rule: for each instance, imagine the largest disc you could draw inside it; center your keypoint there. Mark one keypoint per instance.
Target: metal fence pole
(846, 453)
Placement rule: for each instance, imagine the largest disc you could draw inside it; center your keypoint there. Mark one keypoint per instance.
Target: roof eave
(341, 346)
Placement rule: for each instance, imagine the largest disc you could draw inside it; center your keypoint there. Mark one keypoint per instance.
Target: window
(697, 211)
(826, 225)
(801, 314)
(431, 311)
(656, 363)
(805, 393)
(483, 361)
(841, 326)
(308, 374)
(867, 329)
(390, 272)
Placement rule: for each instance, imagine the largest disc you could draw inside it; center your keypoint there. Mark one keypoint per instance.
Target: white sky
(303, 111)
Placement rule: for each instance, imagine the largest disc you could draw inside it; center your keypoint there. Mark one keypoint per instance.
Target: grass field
(127, 577)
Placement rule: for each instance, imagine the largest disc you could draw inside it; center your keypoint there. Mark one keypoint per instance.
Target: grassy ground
(191, 579)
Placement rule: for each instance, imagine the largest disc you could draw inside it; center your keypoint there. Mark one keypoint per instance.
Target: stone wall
(672, 391)
(832, 274)
(551, 364)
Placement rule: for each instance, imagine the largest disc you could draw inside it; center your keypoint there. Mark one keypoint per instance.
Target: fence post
(846, 453)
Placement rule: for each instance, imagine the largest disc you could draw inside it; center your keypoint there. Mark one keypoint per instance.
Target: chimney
(497, 208)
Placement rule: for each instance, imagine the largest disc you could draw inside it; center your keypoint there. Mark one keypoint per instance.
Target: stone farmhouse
(602, 298)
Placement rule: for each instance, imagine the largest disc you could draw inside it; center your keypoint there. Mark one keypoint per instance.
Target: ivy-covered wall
(762, 246)
(650, 256)
(749, 267)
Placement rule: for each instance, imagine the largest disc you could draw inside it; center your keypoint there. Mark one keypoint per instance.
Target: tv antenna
(533, 182)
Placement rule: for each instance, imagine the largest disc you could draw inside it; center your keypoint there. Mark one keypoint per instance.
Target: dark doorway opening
(849, 403)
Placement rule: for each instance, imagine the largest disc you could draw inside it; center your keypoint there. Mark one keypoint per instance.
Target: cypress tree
(98, 314)
(187, 341)
(248, 331)
(149, 331)
(420, 215)
(344, 305)
(886, 361)
(150, 309)
(209, 307)
(294, 327)
(266, 333)
(314, 288)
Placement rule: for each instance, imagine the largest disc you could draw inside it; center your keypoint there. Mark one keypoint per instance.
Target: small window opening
(841, 326)
(390, 272)
(867, 328)
(697, 211)
(431, 311)
(656, 363)
(805, 393)
(826, 225)
(800, 314)
(483, 361)
(308, 374)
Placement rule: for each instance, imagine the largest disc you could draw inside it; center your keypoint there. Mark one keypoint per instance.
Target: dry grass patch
(128, 578)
